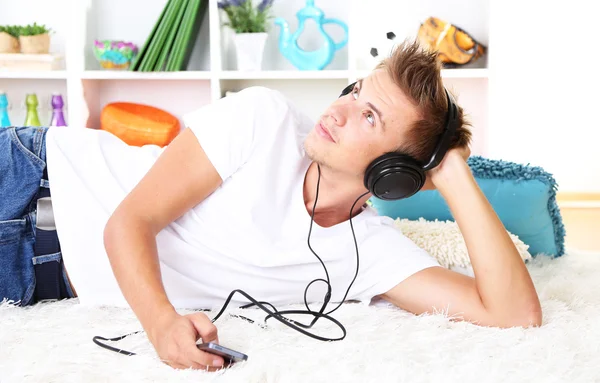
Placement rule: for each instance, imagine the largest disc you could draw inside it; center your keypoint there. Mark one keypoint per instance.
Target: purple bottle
(58, 116)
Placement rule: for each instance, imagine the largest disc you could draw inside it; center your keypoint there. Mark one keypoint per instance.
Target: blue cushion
(523, 196)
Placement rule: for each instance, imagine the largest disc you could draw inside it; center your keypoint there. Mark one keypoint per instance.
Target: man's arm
(502, 293)
(182, 177)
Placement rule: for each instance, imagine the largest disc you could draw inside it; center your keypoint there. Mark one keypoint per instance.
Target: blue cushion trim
(491, 169)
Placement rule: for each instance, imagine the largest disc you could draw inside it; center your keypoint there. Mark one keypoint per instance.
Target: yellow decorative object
(455, 46)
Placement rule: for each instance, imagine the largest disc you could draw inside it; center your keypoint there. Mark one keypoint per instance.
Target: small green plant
(33, 30)
(244, 17)
(13, 30)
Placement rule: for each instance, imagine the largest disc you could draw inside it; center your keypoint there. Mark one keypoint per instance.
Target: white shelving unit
(32, 75)
(212, 70)
(127, 75)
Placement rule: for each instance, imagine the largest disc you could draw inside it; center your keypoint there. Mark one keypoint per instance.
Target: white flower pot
(249, 49)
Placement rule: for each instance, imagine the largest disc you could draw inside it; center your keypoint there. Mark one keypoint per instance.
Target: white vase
(249, 48)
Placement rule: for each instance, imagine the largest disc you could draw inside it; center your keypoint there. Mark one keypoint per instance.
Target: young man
(228, 205)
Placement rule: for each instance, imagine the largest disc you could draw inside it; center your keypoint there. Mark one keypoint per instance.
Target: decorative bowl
(114, 54)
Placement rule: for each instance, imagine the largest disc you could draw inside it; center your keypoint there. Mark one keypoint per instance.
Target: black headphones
(394, 176)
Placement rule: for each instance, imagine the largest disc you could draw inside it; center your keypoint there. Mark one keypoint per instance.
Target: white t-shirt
(250, 234)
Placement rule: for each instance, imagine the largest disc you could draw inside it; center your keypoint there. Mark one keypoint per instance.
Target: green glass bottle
(32, 118)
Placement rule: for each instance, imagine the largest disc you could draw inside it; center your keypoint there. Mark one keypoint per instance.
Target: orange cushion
(138, 124)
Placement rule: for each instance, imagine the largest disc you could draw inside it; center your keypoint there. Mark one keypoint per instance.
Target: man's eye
(370, 118)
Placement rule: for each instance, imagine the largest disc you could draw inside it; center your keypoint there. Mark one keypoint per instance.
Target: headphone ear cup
(394, 176)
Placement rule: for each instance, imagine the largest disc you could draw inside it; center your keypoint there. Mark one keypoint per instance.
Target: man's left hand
(452, 158)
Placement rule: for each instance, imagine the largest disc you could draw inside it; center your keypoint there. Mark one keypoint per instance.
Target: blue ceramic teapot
(288, 43)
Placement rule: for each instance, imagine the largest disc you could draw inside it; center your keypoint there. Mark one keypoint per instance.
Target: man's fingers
(187, 355)
(199, 366)
(206, 329)
(190, 352)
(429, 185)
(466, 153)
(195, 355)
(192, 365)
(173, 364)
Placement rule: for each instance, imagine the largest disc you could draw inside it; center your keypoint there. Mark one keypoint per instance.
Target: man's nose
(339, 114)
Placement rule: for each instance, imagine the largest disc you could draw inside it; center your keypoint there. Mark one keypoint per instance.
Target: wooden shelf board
(284, 74)
(128, 75)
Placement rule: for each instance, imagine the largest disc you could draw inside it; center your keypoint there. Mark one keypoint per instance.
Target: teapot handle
(341, 44)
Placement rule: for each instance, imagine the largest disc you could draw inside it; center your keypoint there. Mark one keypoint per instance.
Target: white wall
(545, 88)
(403, 17)
(50, 13)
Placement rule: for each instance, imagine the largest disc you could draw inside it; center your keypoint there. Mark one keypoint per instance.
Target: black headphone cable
(272, 311)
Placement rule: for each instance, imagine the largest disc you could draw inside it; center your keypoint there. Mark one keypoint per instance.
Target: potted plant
(250, 26)
(9, 36)
(34, 39)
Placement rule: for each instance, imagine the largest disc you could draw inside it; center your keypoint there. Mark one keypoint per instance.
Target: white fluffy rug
(52, 342)
(444, 241)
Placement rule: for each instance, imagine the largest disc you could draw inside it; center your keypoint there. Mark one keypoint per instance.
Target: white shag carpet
(52, 342)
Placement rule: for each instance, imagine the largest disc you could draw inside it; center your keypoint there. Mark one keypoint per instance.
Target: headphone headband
(449, 129)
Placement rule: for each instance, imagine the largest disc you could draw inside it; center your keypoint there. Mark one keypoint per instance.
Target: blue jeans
(22, 164)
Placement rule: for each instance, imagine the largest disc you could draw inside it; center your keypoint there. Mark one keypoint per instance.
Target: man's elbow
(537, 318)
(116, 229)
(533, 318)
(527, 318)
(109, 235)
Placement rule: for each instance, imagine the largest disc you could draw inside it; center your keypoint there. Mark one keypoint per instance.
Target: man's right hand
(174, 337)
(181, 178)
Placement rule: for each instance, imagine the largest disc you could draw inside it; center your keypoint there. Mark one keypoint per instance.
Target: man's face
(357, 128)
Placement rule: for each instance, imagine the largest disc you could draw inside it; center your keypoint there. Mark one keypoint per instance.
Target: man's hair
(417, 72)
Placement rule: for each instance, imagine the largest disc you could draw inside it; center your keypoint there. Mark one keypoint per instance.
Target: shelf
(224, 75)
(212, 69)
(284, 75)
(128, 75)
(55, 74)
